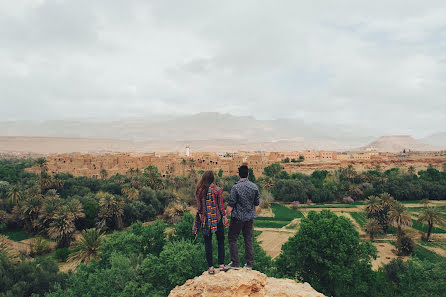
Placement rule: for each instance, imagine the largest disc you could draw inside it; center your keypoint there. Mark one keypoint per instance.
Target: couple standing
(211, 218)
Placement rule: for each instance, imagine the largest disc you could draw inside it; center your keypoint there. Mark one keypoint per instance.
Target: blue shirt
(244, 197)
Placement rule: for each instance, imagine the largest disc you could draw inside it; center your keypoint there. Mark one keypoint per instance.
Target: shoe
(249, 267)
(230, 266)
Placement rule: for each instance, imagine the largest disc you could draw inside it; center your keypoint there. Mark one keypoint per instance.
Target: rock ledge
(240, 283)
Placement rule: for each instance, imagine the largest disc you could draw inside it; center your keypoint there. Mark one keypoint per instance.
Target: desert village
(175, 164)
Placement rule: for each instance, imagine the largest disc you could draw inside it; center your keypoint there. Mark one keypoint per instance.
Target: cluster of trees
(324, 186)
(141, 261)
(327, 253)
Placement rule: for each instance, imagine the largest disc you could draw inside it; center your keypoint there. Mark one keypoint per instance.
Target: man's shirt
(244, 197)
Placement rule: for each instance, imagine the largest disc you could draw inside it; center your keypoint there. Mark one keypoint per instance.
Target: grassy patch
(359, 217)
(423, 227)
(423, 254)
(270, 224)
(16, 234)
(284, 213)
(418, 208)
(329, 206)
(439, 243)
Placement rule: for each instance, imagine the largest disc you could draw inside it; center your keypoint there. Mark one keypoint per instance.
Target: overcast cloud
(380, 65)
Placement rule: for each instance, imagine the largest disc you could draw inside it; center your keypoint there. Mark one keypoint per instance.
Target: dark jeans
(233, 233)
(221, 245)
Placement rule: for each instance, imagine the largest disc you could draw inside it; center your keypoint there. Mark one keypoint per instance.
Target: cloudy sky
(379, 65)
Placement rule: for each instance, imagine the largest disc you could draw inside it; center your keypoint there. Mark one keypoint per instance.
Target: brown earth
(241, 283)
(272, 241)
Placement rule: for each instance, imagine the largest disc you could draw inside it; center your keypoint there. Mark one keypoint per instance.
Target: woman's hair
(206, 180)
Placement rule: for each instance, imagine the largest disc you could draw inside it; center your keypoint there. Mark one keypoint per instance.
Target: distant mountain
(394, 144)
(437, 140)
(201, 126)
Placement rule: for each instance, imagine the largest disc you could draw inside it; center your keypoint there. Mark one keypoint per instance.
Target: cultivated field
(282, 221)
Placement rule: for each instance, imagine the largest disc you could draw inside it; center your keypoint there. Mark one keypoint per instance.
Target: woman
(211, 217)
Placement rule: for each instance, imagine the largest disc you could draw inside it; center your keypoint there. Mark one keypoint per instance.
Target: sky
(375, 65)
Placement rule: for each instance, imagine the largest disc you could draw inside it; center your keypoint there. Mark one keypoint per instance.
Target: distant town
(180, 163)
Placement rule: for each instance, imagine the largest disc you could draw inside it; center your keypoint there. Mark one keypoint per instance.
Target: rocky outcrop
(240, 283)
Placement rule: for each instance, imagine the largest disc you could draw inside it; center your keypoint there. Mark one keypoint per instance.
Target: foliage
(62, 254)
(272, 170)
(265, 199)
(327, 253)
(28, 277)
(39, 246)
(404, 244)
(87, 247)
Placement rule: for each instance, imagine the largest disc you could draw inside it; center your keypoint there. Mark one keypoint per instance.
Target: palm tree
(131, 172)
(431, 216)
(400, 216)
(387, 201)
(411, 170)
(184, 163)
(74, 206)
(43, 164)
(49, 208)
(31, 210)
(87, 246)
(130, 192)
(373, 206)
(14, 195)
(62, 227)
(103, 173)
(373, 227)
(111, 208)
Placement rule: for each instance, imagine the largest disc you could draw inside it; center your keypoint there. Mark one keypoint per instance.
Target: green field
(359, 217)
(16, 235)
(270, 224)
(282, 216)
(423, 227)
(423, 253)
(329, 206)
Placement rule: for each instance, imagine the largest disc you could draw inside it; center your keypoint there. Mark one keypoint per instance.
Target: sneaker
(249, 267)
(230, 266)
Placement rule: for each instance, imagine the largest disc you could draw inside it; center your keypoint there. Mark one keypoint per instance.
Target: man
(242, 206)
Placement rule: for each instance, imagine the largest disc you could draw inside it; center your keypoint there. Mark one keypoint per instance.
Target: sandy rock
(241, 283)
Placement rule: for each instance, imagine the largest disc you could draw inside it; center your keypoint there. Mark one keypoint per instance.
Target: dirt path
(386, 252)
(272, 241)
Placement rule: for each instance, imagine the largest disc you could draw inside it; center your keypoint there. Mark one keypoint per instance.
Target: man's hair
(243, 171)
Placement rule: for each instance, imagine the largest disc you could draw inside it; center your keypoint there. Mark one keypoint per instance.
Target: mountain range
(204, 132)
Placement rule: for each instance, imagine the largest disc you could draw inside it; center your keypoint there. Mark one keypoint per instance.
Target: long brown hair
(206, 180)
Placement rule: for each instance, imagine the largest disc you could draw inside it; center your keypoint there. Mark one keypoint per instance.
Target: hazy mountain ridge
(399, 143)
(208, 131)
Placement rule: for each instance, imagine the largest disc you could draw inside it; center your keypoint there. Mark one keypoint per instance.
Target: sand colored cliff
(240, 283)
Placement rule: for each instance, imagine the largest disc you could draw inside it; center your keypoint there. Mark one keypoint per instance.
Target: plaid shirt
(201, 200)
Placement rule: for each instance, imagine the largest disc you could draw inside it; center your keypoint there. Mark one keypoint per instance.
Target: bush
(62, 254)
(39, 246)
(327, 253)
(265, 199)
(405, 245)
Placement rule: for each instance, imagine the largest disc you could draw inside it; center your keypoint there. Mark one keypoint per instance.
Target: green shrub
(62, 254)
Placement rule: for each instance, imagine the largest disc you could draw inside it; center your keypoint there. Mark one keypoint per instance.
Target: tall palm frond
(87, 246)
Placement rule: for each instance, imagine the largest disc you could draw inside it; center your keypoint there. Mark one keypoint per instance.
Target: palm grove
(80, 215)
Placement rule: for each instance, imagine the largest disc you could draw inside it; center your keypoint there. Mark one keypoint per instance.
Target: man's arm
(232, 201)
(257, 201)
